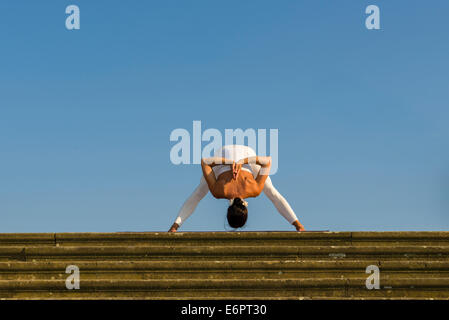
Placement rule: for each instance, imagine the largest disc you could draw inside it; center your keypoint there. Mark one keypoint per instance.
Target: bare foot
(299, 227)
(174, 227)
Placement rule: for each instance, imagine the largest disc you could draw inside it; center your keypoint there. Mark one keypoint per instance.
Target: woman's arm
(214, 161)
(207, 164)
(264, 162)
(190, 204)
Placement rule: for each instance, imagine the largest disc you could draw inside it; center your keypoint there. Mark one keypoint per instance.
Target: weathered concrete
(231, 265)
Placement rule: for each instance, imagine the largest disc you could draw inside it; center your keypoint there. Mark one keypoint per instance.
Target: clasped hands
(236, 166)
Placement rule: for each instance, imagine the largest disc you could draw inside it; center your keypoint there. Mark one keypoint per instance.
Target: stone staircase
(225, 265)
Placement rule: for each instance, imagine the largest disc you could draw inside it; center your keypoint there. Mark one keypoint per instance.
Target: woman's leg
(275, 197)
(279, 201)
(190, 204)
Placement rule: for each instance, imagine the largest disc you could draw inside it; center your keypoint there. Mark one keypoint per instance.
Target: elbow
(269, 161)
(204, 163)
(265, 162)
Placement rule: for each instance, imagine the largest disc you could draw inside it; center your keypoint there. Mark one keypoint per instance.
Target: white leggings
(270, 191)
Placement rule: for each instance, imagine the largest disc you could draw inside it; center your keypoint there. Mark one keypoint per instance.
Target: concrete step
(306, 288)
(262, 252)
(180, 265)
(231, 265)
(220, 269)
(226, 238)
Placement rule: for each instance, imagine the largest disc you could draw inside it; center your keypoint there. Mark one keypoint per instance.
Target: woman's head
(237, 213)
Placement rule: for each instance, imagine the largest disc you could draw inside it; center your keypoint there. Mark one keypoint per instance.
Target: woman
(236, 173)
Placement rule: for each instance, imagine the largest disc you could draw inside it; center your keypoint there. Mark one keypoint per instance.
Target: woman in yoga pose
(235, 173)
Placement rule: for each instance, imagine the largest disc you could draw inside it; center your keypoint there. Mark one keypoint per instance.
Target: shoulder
(253, 192)
(253, 189)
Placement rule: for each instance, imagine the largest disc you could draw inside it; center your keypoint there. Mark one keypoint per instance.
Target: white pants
(236, 153)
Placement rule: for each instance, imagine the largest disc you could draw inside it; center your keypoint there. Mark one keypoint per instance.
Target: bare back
(245, 186)
(246, 181)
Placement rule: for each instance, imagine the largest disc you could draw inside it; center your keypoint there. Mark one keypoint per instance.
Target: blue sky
(86, 115)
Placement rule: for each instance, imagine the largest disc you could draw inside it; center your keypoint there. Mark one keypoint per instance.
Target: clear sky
(86, 115)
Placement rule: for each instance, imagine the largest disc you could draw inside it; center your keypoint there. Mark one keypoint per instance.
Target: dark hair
(237, 213)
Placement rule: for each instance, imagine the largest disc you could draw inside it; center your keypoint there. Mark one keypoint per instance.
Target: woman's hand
(299, 227)
(174, 227)
(236, 169)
